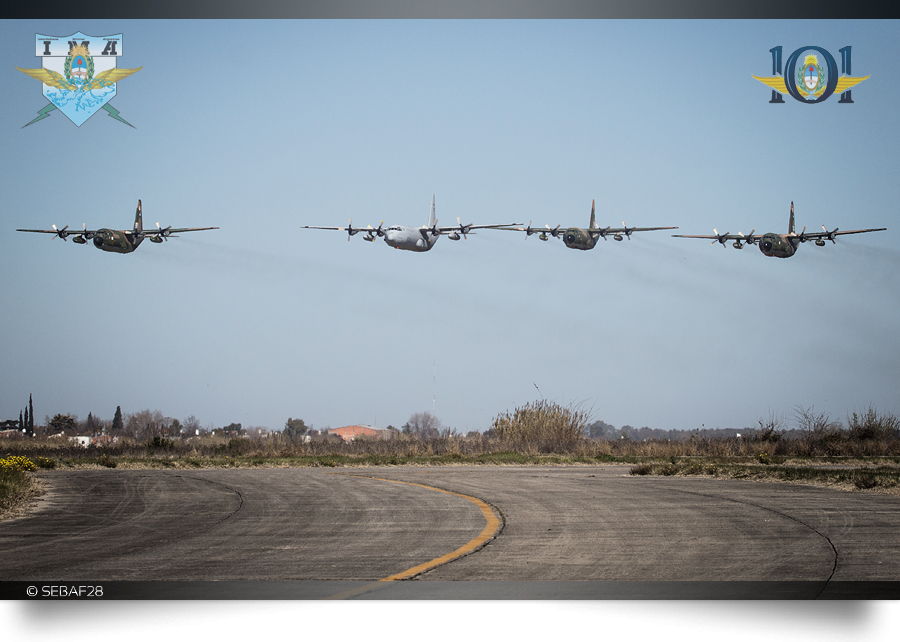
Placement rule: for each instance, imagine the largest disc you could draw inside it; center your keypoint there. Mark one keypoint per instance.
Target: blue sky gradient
(261, 127)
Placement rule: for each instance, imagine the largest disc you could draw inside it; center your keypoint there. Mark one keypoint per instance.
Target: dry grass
(18, 490)
(542, 427)
(866, 456)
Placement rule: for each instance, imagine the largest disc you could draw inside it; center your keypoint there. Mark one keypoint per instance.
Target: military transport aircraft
(121, 241)
(414, 239)
(781, 245)
(579, 238)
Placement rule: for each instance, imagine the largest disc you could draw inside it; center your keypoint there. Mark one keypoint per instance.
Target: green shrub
(106, 460)
(160, 442)
(238, 445)
(865, 482)
(45, 462)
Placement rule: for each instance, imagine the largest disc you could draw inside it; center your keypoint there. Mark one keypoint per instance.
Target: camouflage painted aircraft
(579, 238)
(779, 245)
(414, 239)
(121, 241)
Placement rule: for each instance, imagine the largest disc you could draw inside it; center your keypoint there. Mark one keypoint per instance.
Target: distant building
(349, 433)
(104, 440)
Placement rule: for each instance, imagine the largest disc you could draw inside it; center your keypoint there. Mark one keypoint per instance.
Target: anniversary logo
(813, 81)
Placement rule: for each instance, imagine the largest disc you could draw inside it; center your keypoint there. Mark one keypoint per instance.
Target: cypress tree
(30, 416)
(117, 425)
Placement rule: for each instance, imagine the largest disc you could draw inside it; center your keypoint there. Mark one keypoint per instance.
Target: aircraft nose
(766, 246)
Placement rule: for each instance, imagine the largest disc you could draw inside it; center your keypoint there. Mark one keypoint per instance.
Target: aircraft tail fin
(791, 221)
(592, 225)
(431, 217)
(138, 220)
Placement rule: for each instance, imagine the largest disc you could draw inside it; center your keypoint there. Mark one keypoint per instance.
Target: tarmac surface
(459, 532)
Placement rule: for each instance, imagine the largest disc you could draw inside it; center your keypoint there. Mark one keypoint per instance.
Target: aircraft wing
(827, 235)
(830, 235)
(459, 228)
(64, 232)
(626, 230)
(165, 231)
(161, 234)
(718, 237)
(740, 237)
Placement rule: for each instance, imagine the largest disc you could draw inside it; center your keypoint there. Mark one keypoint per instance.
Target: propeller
(530, 230)
(61, 233)
(434, 229)
(80, 238)
(553, 232)
(720, 238)
(350, 230)
(626, 231)
(749, 240)
(164, 232)
(802, 238)
(830, 235)
(372, 232)
(463, 229)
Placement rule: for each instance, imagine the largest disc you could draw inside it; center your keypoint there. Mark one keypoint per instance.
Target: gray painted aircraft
(414, 239)
(121, 241)
(779, 245)
(579, 238)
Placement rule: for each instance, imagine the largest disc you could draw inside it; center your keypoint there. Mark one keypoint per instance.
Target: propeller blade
(462, 228)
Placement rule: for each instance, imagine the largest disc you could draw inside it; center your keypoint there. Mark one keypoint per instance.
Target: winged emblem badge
(810, 81)
(79, 75)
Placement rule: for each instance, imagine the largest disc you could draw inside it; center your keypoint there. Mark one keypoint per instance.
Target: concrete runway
(559, 532)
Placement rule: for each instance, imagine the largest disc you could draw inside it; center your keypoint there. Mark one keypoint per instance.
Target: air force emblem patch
(79, 75)
(813, 81)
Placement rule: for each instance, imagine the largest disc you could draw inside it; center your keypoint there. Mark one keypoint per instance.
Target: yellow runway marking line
(490, 530)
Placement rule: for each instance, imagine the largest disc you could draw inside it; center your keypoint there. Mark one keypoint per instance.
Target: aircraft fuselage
(781, 246)
(579, 239)
(414, 239)
(116, 241)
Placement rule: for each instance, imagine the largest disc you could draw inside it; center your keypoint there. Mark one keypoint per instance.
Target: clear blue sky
(261, 127)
